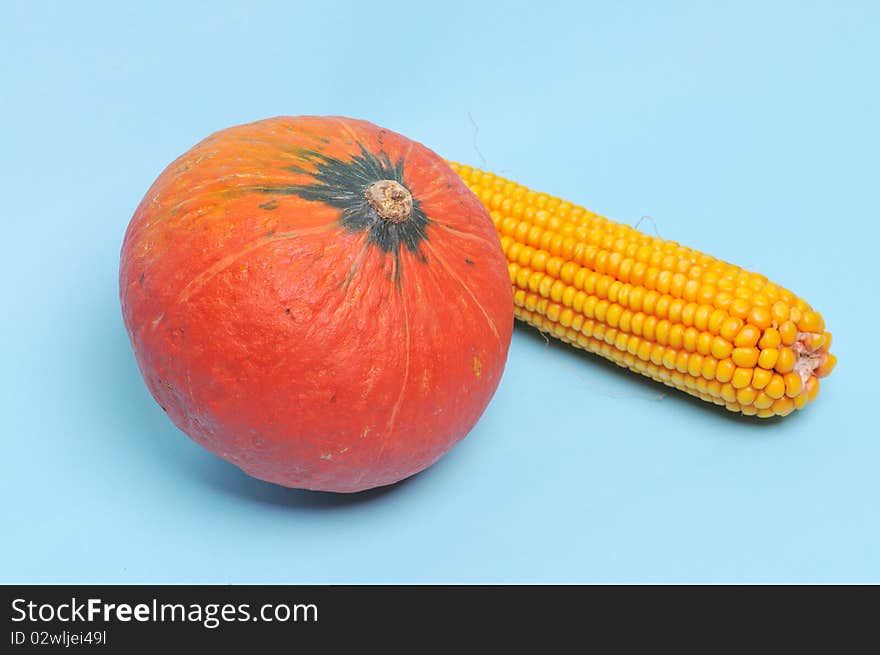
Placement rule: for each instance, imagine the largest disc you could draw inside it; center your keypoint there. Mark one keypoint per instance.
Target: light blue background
(747, 130)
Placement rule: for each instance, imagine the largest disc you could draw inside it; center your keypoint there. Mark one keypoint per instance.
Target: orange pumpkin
(318, 300)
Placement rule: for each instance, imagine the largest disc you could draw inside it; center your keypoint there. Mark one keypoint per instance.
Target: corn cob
(704, 326)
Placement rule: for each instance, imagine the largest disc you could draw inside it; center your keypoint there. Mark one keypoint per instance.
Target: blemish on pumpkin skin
(156, 321)
(270, 205)
(326, 456)
(367, 386)
(468, 261)
(478, 367)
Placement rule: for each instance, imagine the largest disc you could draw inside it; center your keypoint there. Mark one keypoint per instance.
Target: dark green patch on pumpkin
(343, 184)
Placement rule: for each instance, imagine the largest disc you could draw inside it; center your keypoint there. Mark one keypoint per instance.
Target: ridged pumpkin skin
(288, 327)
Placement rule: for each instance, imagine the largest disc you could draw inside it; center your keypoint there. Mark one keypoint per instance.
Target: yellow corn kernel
(768, 358)
(745, 357)
(721, 348)
(826, 366)
(566, 316)
(722, 300)
(691, 335)
(748, 336)
(682, 365)
(695, 365)
(761, 377)
(539, 260)
(730, 328)
(811, 322)
(739, 308)
(812, 388)
(676, 336)
(644, 351)
(724, 370)
(657, 354)
(776, 387)
(709, 367)
(760, 316)
(612, 316)
(762, 401)
(713, 387)
(742, 377)
(786, 361)
(661, 332)
(746, 396)
(762, 300)
(783, 406)
(704, 343)
(813, 341)
(780, 312)
(788, 333)
(676, 308)
(716, 321)
(728, 392)
(793, 384)
(770, 339)
(701, 317)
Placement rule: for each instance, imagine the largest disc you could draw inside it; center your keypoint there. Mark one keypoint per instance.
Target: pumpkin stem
(391, 200)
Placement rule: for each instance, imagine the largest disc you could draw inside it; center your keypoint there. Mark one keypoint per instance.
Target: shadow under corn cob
(679, 316)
